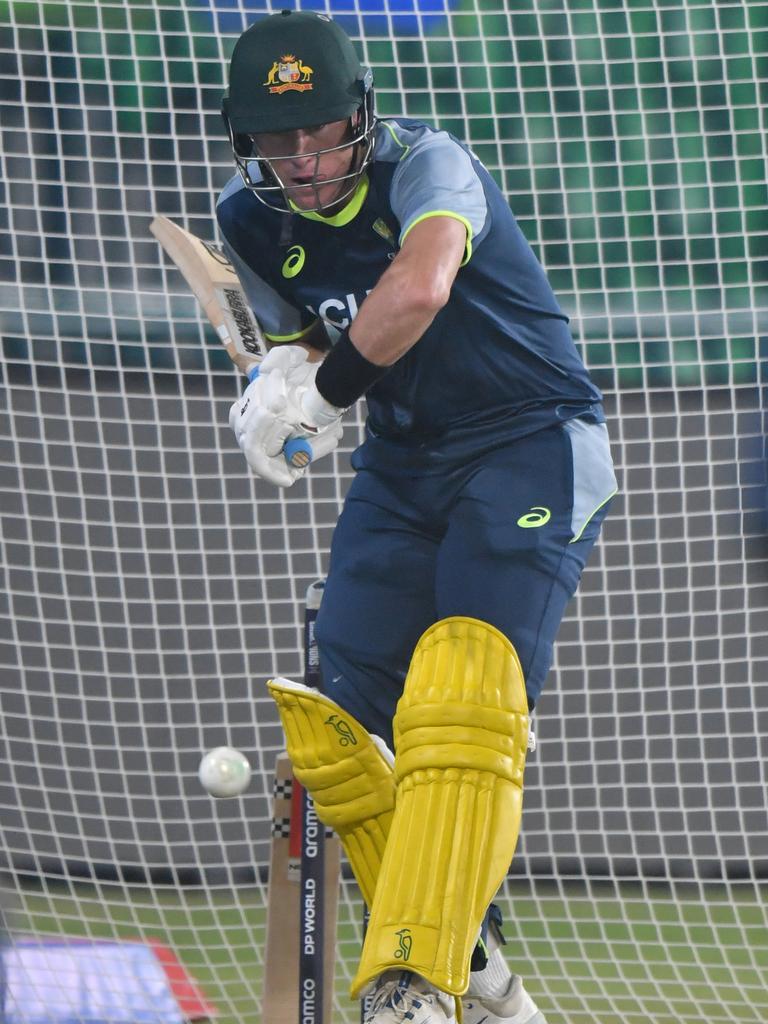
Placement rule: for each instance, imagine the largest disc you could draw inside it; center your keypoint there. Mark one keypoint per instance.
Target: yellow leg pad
(349, 778)
(461, 732)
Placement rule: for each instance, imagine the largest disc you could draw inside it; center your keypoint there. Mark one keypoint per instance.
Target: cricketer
(382, 260)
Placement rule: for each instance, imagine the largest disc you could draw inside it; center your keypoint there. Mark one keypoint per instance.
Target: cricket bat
(216, 286)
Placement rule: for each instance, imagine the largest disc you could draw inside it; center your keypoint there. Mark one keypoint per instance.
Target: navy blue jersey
(497, 362)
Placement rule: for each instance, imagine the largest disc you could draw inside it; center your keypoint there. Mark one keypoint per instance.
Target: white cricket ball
(224, 772)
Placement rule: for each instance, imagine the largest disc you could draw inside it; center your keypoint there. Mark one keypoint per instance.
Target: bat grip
(297, 450)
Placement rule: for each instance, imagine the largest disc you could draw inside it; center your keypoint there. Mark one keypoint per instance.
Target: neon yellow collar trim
(346, 214)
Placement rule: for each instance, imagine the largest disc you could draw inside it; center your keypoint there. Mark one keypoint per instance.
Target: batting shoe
(404, 998)
(514, 1007)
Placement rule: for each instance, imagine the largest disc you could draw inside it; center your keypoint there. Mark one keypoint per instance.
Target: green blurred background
(630, 137)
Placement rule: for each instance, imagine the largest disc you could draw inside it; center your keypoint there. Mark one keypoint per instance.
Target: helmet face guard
(261, 174)
(291, 71)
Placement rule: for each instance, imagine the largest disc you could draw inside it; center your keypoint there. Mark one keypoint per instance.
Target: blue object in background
(372, 17)
(104, 983)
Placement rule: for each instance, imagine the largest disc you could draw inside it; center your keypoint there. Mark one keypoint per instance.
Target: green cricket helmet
(296, 69)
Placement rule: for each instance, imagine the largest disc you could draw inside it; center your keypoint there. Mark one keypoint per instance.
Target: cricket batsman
(383, 261)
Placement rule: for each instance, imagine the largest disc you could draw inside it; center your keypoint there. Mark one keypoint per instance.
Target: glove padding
(306, 408)
(268, 414)
(265, 393)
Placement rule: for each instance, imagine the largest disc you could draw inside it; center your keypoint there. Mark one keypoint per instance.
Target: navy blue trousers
(503, 538)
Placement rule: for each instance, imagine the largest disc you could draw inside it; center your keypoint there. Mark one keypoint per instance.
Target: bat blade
(216, 286)
(214, 283)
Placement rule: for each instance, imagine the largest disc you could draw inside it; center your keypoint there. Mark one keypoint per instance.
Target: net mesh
(151, 585)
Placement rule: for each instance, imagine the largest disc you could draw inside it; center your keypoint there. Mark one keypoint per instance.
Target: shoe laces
(397, 993)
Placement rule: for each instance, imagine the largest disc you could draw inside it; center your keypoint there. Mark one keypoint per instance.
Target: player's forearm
(398, 311)
(388, 324)
(393, 317)
(411, 292)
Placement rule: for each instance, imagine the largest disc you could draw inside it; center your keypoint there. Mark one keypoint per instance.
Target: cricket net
(151, 585)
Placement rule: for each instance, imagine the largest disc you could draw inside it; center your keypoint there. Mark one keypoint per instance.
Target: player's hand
(253, 419)
(262, 445)
(286, 358)
(305, 408)
(265, 393)
(269, 413)
(261, 442)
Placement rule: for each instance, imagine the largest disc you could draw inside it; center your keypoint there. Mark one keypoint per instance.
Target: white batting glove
(265, 393)
(306, 408)
(267, 415)
(262, 445)
(258, 432)
(284, 358)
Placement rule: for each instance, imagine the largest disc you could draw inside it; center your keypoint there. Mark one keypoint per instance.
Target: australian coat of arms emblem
(289, 73)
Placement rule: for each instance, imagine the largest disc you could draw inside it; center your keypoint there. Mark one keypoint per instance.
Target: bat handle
(297, 450)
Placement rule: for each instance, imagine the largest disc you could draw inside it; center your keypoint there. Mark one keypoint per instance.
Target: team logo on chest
(383, 230)
(289, 73)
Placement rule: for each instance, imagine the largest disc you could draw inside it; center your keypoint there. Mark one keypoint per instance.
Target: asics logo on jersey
(294, 261)
(536, 516)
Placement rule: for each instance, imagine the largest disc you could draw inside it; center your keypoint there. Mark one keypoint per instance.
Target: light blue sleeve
(435, 176)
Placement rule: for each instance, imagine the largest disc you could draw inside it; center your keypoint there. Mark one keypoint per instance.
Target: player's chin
(314, 196)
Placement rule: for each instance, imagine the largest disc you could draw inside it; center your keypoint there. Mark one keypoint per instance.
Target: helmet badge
(289, 73)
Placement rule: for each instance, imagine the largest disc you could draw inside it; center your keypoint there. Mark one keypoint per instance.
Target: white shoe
(514, 1007)
(401, 997)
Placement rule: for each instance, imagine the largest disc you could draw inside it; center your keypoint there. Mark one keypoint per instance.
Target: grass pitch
(631, 954)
